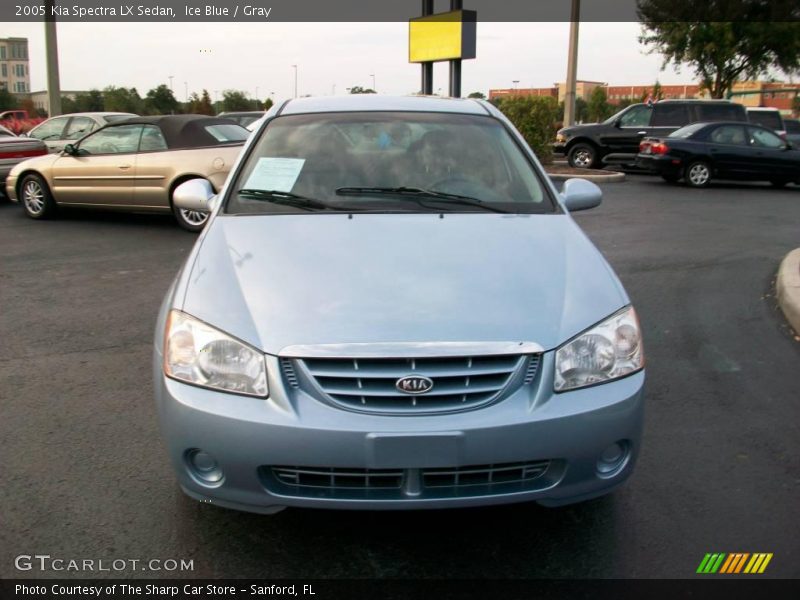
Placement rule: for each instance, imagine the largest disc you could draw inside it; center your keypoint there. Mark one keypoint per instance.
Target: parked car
(133, 165)
(391, 307)
(57, 132)
(243, 118)
(14, 150)
(616, 140)
(770, 118)
(702, 152)
(13, 115)
(792, 131)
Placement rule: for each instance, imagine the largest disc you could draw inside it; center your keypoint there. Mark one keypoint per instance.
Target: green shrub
(537, 118)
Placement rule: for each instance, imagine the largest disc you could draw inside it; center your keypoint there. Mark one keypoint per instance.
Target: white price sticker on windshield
(278, 174)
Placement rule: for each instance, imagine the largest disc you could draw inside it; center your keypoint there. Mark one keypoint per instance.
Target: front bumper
(250, 436)
(9, 184)
(559, 148)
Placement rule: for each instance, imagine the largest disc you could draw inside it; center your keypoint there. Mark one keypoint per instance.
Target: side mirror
(579, 194)
(71, 149)
(195, 194)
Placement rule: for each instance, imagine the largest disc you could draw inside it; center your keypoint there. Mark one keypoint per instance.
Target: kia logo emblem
(414, 384)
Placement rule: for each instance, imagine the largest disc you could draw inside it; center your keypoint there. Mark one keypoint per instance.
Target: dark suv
(616, 140)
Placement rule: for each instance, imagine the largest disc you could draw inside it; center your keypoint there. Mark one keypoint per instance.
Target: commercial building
(750, 93)
(15, 73)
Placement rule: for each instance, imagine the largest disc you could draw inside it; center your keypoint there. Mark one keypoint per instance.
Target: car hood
(582, 128)
(282, 280)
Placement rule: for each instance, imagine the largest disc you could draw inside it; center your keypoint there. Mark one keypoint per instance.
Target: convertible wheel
(582, 156)
(698, 174)
(36, 197)
(190, 220)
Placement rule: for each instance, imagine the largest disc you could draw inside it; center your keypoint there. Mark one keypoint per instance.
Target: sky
(331, 57)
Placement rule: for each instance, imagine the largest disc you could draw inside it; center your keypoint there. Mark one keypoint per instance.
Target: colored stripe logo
(734, 563)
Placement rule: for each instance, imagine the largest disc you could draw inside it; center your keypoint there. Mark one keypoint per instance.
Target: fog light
(203, 467)
(613, 459)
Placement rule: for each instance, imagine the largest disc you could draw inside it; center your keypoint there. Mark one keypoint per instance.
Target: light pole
(170, 77)
(257, 100)
(572, 65)
(51, 56)
(295, 80)
(515, 82)
(333, 90)
(374, 87)
(186, 90)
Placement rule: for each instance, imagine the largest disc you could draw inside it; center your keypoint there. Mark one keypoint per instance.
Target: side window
(668, 114)
(638, 116)
(50, 130)
(729, 134)
(120, 139)
(765, 139)
(719, 112)
(152, 140)
(78, 127)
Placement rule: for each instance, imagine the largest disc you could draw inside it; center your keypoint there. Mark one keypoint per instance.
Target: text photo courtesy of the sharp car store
(222, 368)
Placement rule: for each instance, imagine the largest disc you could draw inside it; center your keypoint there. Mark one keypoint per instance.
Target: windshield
(387, 162)
(685, 132)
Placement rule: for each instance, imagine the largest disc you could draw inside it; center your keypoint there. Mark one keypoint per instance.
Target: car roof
(91, 114)
(182, 131)
(241, 113)
(762, 109)
(376, 102)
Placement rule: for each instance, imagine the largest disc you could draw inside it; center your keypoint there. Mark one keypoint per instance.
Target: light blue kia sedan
(392, 308)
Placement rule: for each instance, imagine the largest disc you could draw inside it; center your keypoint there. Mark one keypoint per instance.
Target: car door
(154, 170)
(50, 132)
(730, 150)
(101, 171)
(668, 117)
(628, 130)
(772, 157)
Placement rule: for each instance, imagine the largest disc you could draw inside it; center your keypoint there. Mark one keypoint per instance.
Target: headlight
(197, 353)
(607, 351)
(561, 138)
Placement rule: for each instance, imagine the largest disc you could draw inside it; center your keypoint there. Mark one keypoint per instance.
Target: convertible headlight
(561, 138)
(197, 353)
(607, 351)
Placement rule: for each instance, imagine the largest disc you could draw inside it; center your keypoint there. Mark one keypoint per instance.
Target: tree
(598, 109)
(7, 100)
(160, 101)
(537, 118)
(91, 101)
(758, 36)
(200, 105)
(357, 89)
(478, 95)
(234, 100)
(268, 103)
(658, 92)
(120, 99)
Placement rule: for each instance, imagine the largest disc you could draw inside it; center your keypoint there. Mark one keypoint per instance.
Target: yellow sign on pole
(445, 36)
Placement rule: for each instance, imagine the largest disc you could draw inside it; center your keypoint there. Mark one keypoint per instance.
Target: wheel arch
(21, 177)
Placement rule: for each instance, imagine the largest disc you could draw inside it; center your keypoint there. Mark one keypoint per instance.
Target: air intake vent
(533, 368)
(288, 372)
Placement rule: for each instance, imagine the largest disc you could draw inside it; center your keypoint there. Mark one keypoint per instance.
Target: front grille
(484, 474)
(386, 484)
(368, 384)
(331, 478)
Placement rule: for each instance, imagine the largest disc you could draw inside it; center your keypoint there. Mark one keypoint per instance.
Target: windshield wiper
(288, 198)
(419, 194)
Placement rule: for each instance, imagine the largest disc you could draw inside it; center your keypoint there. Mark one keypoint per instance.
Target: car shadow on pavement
(510, 541)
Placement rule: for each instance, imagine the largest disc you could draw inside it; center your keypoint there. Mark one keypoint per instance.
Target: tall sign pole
(51, 52)
(572, 65)
(427, 67)
(455, 64)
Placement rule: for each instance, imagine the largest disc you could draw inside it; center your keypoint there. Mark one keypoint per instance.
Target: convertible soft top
(185, 131)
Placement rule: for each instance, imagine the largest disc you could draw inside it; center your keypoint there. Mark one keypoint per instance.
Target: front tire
(35, 196)
(190, 220)
(697, 174)
(582, 156)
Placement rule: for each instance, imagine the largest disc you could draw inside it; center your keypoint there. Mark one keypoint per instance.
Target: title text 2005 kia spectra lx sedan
(392, 308)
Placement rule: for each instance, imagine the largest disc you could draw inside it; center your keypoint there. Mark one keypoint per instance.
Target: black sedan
(701, 152)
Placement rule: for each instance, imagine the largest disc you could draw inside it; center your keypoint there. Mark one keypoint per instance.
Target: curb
(788, 288)
(612, 177)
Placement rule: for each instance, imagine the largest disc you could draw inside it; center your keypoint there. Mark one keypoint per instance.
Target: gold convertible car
(132, 165)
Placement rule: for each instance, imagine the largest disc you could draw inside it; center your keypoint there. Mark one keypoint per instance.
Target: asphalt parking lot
(85, 476)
